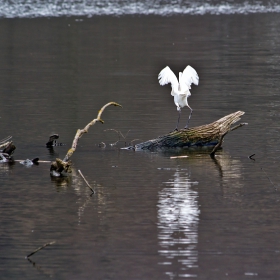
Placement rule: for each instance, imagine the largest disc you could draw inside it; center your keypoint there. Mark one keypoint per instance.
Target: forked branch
(80, 132)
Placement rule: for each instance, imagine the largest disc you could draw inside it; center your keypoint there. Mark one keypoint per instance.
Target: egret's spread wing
(167, 76)
(188, 77)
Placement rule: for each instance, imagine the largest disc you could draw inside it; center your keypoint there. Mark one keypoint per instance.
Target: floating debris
(179, 157)
(251, 274)
(28, 162)
(102, 145)
(3, 158)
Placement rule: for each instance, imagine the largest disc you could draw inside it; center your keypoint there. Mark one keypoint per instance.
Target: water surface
(152, 217)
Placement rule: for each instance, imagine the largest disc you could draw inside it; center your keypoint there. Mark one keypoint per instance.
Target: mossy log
(206, 135)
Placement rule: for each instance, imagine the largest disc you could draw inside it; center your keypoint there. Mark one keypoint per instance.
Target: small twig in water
(251, 157)
(40, 248)
(179, 157)
(86, 181)
(102, 145)
(120, 135)
(268, 178)
(237, 126)
(131, 142)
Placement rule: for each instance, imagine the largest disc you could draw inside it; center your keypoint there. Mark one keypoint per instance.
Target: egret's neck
(179, 87)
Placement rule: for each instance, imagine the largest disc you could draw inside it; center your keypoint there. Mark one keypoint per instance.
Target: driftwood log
(59, 165)
(206, 135)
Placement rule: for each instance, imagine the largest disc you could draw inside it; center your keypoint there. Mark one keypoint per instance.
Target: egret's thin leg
(178, 119)
(189, 117)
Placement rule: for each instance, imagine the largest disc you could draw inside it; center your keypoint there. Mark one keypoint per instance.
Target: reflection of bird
(181, 89)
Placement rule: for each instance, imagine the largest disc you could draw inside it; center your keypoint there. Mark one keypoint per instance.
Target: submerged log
(206, 135)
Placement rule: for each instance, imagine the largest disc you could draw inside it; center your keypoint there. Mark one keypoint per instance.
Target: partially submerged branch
(65, 165)
(86, 181)
(80, 132)
(40, 248)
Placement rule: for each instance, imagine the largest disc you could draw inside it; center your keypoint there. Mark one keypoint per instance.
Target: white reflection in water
(4, 169)
(178, 217)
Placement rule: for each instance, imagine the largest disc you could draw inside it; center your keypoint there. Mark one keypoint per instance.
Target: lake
(152, 216)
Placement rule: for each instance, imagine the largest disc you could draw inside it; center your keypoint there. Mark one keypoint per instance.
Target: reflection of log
(206, 135)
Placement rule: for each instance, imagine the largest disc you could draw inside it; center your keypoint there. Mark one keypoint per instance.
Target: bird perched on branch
(180, 90)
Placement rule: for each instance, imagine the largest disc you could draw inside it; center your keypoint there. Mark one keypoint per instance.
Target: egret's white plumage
(180, 90)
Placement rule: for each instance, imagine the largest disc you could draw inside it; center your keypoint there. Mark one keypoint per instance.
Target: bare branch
(119, 134)
(40, 248)
(65, 165)
(80, 132)
(86, 181)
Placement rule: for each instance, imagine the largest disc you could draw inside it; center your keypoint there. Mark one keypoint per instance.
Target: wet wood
(7, 149)
(52, 140)
(39, 249)
(206, 135)
(58, 166)
(5, 142)
(80, 172)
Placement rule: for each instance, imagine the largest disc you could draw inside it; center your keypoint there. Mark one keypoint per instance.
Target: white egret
(180, 90)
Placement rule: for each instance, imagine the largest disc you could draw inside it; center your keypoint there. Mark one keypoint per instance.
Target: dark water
(152, 217)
